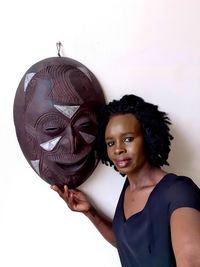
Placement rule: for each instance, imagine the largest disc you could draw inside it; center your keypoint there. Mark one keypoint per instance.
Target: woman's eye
(109, 144)
(128, 139)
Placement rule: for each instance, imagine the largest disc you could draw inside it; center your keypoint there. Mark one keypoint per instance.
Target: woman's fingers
(74, 198)
(55, 188)
(62, 194)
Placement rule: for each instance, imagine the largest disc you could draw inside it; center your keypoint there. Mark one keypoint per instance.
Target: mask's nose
(70, 141)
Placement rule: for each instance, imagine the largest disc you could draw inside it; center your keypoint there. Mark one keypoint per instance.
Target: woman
(157, 219)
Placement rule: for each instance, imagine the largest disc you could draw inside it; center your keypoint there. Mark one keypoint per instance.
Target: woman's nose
(119, 149)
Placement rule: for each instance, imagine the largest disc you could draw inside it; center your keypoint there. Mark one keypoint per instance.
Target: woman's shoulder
(182, 192)
(180, 182)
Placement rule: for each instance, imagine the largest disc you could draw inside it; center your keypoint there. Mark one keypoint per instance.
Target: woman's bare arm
(185, 232)
(77, 201)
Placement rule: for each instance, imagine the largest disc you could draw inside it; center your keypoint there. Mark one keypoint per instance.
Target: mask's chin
(71, 174)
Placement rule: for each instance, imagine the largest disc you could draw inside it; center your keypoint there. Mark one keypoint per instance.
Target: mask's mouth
(71, 168)
(72, 164)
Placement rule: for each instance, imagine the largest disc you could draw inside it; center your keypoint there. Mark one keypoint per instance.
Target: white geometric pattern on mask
(35, 164)
(49, 145)
(27, 79)
(68, 111)
(89, 138)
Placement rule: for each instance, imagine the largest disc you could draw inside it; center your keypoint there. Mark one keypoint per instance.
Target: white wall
(146, 47)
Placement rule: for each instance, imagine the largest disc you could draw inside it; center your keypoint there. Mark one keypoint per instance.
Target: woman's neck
(147, 176)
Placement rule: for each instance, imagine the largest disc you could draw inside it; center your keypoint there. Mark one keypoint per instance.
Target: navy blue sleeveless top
(144, 240)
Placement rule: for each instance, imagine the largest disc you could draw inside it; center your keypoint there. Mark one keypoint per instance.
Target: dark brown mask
(55, 110)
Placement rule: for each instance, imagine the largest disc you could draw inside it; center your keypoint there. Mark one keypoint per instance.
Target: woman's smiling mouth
(122, 163)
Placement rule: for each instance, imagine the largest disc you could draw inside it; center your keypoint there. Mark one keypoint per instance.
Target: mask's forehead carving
(37, 99)
(85, 71)
(61, 149)
(60, 87)
(68, 111)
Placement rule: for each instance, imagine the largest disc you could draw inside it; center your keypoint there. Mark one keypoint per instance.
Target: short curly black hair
(154, 124)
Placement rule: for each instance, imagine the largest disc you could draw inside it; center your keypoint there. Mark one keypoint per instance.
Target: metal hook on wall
(59, 45)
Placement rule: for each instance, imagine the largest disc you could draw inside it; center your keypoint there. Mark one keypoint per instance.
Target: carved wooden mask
(55, 119)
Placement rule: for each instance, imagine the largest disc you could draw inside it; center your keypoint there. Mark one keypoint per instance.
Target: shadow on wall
(182, 158)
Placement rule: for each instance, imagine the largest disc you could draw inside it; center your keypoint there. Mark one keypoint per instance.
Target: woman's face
(125, 143)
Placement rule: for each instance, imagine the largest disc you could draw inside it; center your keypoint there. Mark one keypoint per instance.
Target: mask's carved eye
(50, 124)
(85, 124)
(53, 131)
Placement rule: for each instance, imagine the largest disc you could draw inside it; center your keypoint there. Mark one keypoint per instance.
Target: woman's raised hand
(75, 199)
